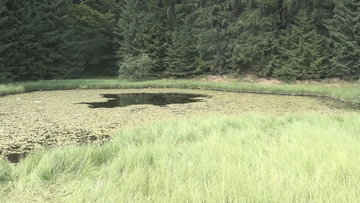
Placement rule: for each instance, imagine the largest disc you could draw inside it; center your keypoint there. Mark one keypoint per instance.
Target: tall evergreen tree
(127, 28)
(302, 51)
(19, 39)
(211, 28)
(156, 25)
(6, 31)
(344, 30)
(40, 42)
(43, 39)
(58, 54)
(141, 30)
(95, 22)
(126, 32)
(182, 53)
(252, 37)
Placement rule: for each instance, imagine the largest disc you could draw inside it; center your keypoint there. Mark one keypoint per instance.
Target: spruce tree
(182, 52)
(39, 41)
(252, 37)
(211, 28)
(155, 38)
(141, 31)
(95, 21)
(302, 51)
(58, 54)
(126, 29)
(6, 31)
(126, 32)
(344, 31)
(17, 37)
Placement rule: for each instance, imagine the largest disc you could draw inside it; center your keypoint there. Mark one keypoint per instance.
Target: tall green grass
(303, 158)
(11, 89)
(344, 93)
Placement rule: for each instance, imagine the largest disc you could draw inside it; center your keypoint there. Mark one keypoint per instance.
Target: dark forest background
(145, 39)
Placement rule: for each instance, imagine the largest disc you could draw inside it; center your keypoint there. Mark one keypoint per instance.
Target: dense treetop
(142, 39)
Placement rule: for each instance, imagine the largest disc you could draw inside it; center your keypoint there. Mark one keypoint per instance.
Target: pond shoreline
(347, 93)
(44, 119)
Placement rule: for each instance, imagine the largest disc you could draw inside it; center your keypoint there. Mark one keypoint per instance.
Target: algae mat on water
(51, 118)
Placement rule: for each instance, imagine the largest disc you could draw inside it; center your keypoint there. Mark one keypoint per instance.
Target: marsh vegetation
(248, 158)
(229, 146)
(53, 118)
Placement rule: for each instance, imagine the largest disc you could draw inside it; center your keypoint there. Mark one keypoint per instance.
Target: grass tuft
(252, 158)
(11, 89)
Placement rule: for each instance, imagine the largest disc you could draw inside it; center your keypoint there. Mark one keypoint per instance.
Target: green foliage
(59, 44)
(95, 21)
(302, 53)
(128, 28)
(182, 52)
(140, 30)
(272, 38)
(344, 30)
(344, 93)
(136, 67)
(356, 95)
(287, 72)
(211, 28)
(5, 73)
(16, 39)
(39, 41)
(253, 40)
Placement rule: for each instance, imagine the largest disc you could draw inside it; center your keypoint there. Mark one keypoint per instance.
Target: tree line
(143, 39)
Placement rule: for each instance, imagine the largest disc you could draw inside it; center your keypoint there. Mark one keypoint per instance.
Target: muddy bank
(52, 118)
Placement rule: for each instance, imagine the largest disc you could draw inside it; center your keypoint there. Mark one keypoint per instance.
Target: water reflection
(158, 99)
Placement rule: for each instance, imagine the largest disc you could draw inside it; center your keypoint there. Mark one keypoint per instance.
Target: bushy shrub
(136, 67)
(285, 73)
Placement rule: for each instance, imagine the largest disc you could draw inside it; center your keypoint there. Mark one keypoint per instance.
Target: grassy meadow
(250, 157)
(347, 92)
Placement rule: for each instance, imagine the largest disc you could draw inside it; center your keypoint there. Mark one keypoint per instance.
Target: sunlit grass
(252, 158)
(11, 89)
(346, 92)
(304, 158)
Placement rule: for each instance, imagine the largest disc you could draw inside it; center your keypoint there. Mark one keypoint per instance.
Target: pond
(158, 99)
(52, 118)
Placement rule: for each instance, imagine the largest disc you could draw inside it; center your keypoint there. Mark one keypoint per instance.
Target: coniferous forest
(146, 39)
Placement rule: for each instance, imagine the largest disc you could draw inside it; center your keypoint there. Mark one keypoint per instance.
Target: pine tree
(211, 29)
(58, 54)
(43, 39)
(253, 37)
(95, 22)
(141, 31)
(127, 28)
(344, 30)
(16, 39)
(39, 42)
(126, 32)
(182, 52)
(302, 51)
(5, 72)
